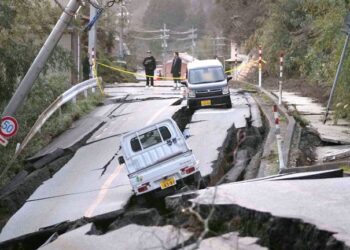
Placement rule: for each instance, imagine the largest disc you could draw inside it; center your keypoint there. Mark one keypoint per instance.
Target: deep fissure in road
(273, 232)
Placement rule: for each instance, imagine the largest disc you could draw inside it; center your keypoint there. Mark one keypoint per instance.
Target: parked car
(207, 84)
(157, 157)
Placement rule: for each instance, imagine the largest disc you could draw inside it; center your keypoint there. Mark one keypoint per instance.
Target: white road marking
(106, 185)
(156, 115)
(103, 192)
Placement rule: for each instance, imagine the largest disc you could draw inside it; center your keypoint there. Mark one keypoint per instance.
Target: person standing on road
(150, 65)
(176, 69)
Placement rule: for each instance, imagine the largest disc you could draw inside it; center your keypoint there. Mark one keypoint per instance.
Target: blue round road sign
(9, 126)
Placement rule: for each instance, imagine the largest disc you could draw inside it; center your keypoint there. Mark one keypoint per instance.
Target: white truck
(157, 157)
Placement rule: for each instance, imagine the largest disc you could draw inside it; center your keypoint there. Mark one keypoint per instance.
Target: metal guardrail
(67, 96)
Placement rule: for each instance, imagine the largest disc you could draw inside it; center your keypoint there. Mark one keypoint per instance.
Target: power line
(147, 38)
(147, 31)
(183, 33)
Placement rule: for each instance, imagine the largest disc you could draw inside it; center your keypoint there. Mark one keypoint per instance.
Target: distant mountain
(138, 9)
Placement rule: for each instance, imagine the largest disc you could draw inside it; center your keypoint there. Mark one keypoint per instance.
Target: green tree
(24, 25)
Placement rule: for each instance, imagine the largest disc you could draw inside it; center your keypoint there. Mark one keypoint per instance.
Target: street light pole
(346, 43)
(37, 66)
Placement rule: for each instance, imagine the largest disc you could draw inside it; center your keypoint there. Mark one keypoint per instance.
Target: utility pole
(75, 51)
(121, 32)
(78, 48)
(193, 45)
(75, 48)
(92, 38)
(214, 48)
(218, 48)
(164, 37)
(79, 56)
(340, 65)
(37, 66)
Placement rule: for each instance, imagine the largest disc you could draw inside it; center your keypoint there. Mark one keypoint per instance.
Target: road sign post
(260, 66)
(3, 141)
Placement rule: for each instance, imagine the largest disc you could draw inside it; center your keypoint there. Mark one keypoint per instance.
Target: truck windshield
(206, 75)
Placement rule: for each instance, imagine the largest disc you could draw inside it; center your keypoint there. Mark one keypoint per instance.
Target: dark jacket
(149, 63)
(176, 66)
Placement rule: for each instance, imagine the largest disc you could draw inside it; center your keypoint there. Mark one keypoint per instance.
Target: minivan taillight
(188, 170)
(143, 188)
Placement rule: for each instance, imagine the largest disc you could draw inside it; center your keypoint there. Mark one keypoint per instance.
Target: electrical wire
(109, 3)
(147, 38)
(147, 31)
(183, 33)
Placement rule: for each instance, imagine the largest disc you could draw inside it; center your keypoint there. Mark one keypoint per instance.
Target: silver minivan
(207, 84)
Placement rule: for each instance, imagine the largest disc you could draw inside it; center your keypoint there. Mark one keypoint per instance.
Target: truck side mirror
(121, 160)
(184, 83)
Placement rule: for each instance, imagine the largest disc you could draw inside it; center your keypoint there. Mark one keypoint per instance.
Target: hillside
(309, 34)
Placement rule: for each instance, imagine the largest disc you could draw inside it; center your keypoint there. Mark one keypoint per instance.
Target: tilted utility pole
(340, 65)
(37, 66)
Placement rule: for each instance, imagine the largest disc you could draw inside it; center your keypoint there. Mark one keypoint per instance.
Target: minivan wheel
(229, 105)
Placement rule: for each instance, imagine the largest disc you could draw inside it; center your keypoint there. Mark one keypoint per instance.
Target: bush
(42, 95)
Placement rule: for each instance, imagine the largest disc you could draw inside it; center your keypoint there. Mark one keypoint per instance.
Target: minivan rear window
(206, 75)
(150, 138)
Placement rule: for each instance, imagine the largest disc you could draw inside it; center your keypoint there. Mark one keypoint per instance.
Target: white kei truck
(157, 157)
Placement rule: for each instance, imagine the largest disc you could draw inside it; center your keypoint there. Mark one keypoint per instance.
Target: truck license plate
(206, 103)
(167, 183)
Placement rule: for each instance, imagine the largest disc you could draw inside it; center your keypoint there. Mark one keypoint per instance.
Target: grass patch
(283, 118)
(299, 119)
(346, 168)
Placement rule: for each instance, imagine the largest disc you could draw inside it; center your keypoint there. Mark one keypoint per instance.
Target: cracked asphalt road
(93, 183)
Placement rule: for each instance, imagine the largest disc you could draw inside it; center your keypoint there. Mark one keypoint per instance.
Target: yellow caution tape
(137, 74)
(162, 77)
(94, 71)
